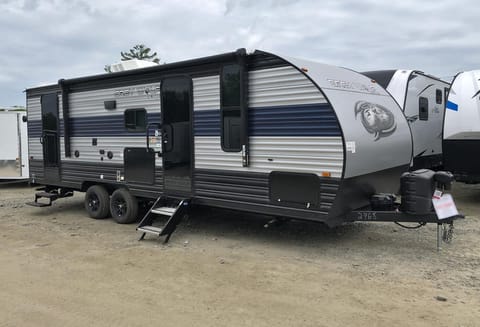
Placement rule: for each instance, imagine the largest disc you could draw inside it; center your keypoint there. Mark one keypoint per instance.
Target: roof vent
(131, 64)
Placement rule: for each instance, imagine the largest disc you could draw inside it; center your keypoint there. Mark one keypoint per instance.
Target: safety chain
(448, 230)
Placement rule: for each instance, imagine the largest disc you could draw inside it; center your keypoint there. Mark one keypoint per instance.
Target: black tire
(123, 206)
(97, 202)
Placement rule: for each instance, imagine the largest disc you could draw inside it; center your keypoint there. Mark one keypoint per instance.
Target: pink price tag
(437, 194)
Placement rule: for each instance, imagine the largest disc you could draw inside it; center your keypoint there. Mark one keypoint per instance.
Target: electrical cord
(410, 227)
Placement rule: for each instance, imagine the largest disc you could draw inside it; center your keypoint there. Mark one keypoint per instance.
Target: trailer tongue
(423, 201)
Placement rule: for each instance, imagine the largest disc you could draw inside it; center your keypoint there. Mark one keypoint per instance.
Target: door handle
(167, 137)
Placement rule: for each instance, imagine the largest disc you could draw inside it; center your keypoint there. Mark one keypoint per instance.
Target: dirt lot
(60, 268)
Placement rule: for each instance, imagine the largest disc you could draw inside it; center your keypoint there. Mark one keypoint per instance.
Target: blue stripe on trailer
(96, 126)
(206, 122)
(452, 106)
(295, 120)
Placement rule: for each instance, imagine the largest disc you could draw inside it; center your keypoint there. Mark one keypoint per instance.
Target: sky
(45, 40)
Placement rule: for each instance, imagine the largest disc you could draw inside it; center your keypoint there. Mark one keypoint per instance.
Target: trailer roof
(134, 72)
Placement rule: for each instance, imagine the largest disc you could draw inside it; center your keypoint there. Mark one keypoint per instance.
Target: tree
(139, 51)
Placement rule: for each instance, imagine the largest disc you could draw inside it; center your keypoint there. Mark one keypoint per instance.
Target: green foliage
(13, 108)
(140, 51)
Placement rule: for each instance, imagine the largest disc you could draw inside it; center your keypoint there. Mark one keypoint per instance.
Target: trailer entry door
(177, 134)
(50, 137)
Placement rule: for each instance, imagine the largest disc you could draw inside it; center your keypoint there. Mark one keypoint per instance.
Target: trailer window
(423, 108)
(439, 96)
(135, 120)
(230, 108)
(231, 86)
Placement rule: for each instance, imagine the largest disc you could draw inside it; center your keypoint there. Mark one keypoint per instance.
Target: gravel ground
(61, 268)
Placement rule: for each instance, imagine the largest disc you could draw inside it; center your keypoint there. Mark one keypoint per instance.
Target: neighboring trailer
(461, 132)
(254, 132)
(422, 98)
(14, 147)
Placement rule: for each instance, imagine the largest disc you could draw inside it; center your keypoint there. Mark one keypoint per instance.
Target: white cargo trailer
(14, 146)
(461, 130)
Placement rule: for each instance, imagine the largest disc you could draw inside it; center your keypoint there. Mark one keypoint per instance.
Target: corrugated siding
(75, 173)
(302, 154)
(91, 103)
(60, 110)
(34, 113)
(294, 120)
(245, 187)
(206, 93)
(282, 101)
(89, 153)
(35, 150)
(34, 108)
(36, 169)
(281, 86)
(253, 188)
(106, 125)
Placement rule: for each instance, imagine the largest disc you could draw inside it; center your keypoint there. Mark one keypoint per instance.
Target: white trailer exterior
(14, 147)
(461, 132)
(422, 98)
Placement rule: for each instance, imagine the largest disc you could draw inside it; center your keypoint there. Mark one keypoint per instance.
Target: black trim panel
(382, 77)
(65, 126)
(268, 210)
(355, 192)
(38, 91)
(252, 188)
(262, 60)
(460, 157)
(433, 161)
(76, 175)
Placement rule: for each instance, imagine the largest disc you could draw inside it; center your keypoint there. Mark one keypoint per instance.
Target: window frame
(136, 129)
(423, 117)
(231, 108)
(438, 96)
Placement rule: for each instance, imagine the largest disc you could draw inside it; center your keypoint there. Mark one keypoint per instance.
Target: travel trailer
(14, 148)
(461, 131)
(256, 132)
(422, 98)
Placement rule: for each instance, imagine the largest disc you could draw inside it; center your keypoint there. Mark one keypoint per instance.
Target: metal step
(150, 229)
(174, 214)
(166, 211)
(38, 204)
(47, 195)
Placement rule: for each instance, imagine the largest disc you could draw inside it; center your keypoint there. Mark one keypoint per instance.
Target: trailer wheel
(123, 206)
(97, 202)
